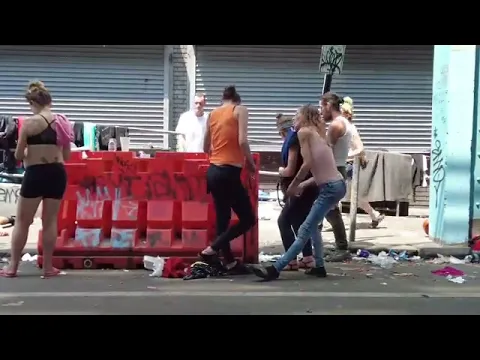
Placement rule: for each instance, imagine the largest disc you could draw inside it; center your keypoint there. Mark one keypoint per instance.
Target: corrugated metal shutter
(391, 86)
(105, 84)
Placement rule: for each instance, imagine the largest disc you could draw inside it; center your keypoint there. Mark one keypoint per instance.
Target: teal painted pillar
(453, 142)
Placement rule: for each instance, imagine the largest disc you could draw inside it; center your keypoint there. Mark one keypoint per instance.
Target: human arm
(67, 152)
(304, 140)
(20, 151)
(335, 131)
(242, 116)
(289, 171)
(207, 140)
(180, 130)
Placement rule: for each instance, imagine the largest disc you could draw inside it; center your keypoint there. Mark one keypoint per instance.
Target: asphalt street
(355, 289)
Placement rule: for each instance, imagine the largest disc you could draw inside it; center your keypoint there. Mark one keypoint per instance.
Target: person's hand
(293, 189)
(300, 189)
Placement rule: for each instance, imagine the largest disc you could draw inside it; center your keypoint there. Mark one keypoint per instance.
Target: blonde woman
(357, 149)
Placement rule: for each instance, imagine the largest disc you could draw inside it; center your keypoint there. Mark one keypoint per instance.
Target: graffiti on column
(438, 166)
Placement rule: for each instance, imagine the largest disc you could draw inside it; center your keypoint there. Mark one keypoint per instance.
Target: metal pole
(327, 83)
(354, 199)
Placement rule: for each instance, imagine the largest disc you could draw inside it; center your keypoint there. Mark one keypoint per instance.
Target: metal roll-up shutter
(119, 85)
(391, 86)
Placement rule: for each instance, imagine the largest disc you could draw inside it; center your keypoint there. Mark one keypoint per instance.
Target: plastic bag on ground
(154, 264)
(382, 260)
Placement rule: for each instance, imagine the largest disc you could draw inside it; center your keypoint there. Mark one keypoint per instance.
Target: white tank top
(342, 147)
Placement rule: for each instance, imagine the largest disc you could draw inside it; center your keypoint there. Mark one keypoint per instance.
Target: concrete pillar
(454, 131)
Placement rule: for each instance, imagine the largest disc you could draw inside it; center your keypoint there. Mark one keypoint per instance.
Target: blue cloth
(289, 140)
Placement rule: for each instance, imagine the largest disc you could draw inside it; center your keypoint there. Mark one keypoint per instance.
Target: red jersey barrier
(118, 208)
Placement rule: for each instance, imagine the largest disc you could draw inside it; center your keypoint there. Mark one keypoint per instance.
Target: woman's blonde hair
(347, 107)
(38, 93)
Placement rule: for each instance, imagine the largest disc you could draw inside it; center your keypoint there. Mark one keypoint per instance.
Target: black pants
(335, 219)
(225, 185)
(293, 215)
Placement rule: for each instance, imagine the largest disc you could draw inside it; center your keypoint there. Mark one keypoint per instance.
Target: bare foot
(8, 272)
(51, 273)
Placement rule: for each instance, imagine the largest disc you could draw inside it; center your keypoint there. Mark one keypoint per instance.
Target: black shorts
(46, 181)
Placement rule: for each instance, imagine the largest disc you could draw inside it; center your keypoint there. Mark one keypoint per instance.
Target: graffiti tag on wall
(438, 166)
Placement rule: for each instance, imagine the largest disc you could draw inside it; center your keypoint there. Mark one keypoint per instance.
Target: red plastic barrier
(119, 206)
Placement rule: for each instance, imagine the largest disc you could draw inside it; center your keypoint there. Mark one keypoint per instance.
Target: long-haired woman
(45, 178)
(357, 149)
(296, 208)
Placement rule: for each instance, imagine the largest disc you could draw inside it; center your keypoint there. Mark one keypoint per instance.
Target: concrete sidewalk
(400, 234)
(394, 233)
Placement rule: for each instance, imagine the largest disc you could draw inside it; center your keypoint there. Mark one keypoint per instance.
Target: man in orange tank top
(227, 143)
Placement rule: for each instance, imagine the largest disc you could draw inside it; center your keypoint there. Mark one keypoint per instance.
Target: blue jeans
(329, 196)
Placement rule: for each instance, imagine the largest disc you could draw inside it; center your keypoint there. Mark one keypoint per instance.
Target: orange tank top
(224, 137)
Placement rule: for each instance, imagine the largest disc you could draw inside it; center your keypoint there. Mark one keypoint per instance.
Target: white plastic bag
(154, 264)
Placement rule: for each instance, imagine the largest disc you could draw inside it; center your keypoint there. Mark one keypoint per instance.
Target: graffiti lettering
(438, 167)
(9, 195)
(159, 186)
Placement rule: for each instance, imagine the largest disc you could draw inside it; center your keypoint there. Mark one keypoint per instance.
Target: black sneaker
(338, 256)
(266, 273)
(319, 272)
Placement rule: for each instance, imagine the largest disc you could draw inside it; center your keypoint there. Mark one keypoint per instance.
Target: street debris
(154, 264)
(448, 271)
(440, 260)
(16, 304)
(403, 274)
(382, 260)
(29, 258)
(451, 274)
(265, 258)
(456, 280)
(167, 268)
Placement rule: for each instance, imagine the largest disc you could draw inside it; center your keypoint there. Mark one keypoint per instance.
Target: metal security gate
(104, 84)
(391, 86)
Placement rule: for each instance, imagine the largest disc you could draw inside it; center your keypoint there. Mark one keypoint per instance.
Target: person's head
(230, 95)
(237, 100)
(347, 108)
(199, 104)
(330, 106)
(308, 115)
(38, 96)
(284, 123)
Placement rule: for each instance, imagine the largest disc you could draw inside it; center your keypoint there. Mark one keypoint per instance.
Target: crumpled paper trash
(154, 264)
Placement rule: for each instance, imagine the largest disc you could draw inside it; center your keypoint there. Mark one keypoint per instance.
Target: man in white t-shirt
(192, 126)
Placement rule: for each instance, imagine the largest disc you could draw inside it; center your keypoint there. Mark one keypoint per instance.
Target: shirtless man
(319, 160)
